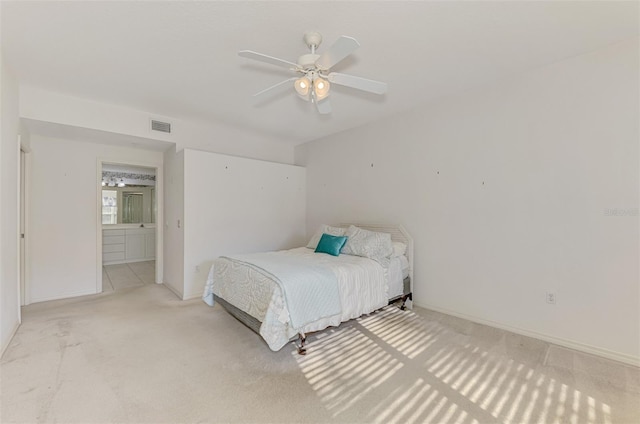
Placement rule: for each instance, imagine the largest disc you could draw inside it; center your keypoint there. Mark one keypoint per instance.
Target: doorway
(129, 235)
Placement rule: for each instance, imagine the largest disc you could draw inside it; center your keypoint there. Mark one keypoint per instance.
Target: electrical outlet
(197, 268)
(551, 297)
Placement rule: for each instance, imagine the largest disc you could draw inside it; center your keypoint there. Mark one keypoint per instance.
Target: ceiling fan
(314, 76)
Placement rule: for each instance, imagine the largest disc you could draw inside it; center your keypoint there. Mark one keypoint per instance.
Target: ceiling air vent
(160, 126)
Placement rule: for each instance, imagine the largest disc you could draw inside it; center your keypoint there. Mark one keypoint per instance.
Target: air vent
(160, 126)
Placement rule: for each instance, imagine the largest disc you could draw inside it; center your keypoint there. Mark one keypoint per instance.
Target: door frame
(24, 163)
(159, 215)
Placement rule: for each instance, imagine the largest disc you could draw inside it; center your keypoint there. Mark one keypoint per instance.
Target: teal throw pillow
(331, 244)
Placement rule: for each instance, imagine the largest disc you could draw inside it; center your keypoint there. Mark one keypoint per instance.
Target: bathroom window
(109, 206)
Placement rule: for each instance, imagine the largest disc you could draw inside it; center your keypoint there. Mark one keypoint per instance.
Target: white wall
(9, 151)
(54, 113)
(237, 205)
(506, 191)
(174, 212)
(63, 213)
(47, 106)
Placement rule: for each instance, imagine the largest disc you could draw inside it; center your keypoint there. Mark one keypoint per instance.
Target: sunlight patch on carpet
(413, 370)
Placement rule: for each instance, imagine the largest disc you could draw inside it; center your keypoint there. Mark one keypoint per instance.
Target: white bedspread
(310, 290)
(362, 286)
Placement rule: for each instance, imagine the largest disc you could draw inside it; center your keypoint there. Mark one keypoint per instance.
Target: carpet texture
(140, 355)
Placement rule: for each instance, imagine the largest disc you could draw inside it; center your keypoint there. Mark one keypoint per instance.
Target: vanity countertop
(125, 226)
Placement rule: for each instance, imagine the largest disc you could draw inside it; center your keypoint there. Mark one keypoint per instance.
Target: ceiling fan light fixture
(314, 77)
(321, 88)
(302, 86)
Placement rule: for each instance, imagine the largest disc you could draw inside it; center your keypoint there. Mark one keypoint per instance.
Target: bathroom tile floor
(133, 274)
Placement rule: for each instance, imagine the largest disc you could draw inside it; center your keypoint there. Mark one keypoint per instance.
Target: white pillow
(369, 244)
(399, 249)
(334, 231)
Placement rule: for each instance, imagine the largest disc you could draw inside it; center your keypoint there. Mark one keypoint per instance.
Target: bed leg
(408, 296)
(302, 340)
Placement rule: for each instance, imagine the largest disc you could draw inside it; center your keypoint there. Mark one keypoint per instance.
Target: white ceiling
(180, 59)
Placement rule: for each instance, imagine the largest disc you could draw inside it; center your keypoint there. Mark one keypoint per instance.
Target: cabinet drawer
(110, 248)
(132, 231)
(112, 240)
(106, 233)
(112, 256)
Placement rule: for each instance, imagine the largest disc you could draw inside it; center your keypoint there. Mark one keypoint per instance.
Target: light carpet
(141, 355)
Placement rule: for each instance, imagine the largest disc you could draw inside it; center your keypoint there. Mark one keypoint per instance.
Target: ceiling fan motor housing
(308, 61)
(312, 39)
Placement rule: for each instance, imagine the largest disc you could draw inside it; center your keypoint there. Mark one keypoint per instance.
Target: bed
(287, 294)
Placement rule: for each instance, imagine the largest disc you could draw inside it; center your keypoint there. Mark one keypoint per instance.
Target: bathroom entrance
(128, 211)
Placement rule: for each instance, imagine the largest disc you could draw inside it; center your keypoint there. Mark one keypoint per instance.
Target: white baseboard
(193, 296)
(63, 296)
(3, 349)
(173, 290)
(571, 344)
(127, 261)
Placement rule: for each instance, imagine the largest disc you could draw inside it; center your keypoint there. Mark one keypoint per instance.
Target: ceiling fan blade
(359, 83)
(268, 59)
(342, 48)
(324, 106)
(279, 87)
